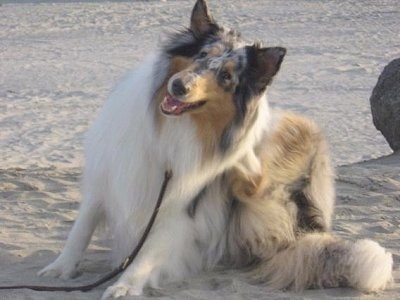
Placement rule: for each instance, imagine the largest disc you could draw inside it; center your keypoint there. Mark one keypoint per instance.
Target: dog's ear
(267, 62)
(201, 21)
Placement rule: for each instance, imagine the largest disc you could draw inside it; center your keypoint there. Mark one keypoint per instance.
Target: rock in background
(385, 104)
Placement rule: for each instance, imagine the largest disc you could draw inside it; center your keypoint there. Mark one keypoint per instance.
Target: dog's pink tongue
(172, 105)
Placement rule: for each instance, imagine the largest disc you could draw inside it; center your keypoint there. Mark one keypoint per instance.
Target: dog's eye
(225, 75)
(203, 54)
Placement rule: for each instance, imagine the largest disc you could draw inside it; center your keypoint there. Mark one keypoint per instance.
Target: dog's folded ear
(266, 63)
(201, 21)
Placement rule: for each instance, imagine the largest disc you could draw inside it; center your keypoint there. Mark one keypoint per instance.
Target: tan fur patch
(215, 115)
(285, 155)
(215, 51)
(230, 66)
(291, 148)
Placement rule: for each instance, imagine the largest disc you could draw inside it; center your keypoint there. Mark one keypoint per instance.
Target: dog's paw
(120, 290)
(61, 268)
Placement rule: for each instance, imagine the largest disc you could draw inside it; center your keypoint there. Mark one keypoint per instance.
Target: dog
(198, 107)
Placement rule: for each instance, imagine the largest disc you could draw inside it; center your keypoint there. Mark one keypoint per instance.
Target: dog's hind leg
(315, 201)
(66, 264)
(266, 229)
(297, 156)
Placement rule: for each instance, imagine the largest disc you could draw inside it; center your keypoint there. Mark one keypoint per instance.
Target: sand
(59, 61)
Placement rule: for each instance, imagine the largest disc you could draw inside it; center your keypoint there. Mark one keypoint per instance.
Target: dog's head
(216, 78)
(212, 68)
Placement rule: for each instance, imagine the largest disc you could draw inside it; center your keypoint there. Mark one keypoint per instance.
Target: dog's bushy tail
(321, 260)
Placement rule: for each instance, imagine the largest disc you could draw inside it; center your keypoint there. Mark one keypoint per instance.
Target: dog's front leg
(133, 280)
(78, 239)
(168, 250)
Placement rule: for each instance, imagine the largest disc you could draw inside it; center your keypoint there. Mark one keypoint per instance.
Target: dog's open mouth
(172, 106)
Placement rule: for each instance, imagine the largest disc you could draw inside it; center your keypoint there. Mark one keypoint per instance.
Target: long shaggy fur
(249, 186)
(282, 218)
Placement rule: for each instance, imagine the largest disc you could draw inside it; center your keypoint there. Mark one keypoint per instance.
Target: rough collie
(248, 185)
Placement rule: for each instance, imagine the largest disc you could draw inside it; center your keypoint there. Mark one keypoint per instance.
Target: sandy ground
(58, 62)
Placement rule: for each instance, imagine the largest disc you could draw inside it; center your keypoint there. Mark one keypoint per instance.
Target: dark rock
(385, 104)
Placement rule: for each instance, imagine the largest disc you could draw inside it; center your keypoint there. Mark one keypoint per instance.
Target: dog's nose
(178, 88)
